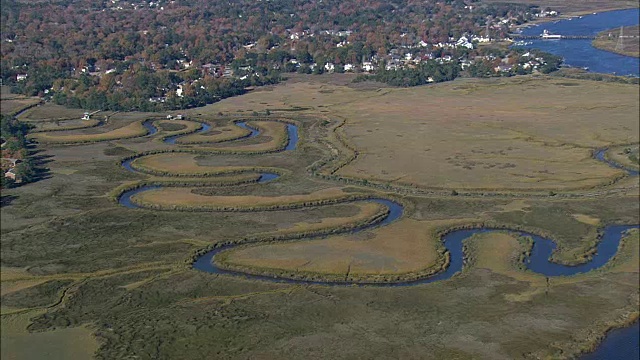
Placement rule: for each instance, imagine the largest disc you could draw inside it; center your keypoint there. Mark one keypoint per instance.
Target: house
(348, 67)
(86, 116)
(11, 174)
(367, 66)
(329, 67)
(179, 117)
(21, 77)
(463, 42)
(503, 68)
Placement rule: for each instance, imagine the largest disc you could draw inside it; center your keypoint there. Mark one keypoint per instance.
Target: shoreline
(570, 15)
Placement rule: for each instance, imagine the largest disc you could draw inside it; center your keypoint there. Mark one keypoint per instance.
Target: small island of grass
(629, 45)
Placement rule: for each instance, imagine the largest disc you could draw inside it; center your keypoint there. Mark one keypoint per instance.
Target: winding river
(601, 155)
(537, 261)
(125, 197)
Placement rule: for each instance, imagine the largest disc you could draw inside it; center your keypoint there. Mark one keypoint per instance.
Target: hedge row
(93, 124)
(273, 207)
(150, 171)
(116, 193)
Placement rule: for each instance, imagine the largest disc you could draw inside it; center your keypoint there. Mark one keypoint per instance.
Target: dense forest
(14, 146)
(124, 55)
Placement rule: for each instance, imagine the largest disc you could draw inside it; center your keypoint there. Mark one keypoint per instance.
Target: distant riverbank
(629, 45)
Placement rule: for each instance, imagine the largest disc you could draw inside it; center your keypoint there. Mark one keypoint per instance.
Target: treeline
(14, 138)
(424, 73)
(144, 91)
(484, 64)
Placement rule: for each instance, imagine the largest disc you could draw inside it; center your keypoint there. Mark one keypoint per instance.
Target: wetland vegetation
(509, 153)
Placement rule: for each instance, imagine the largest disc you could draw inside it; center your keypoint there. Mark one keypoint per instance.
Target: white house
(21, 77)
(348, 67)
(464, 42)
(367, 66)
(329, 67)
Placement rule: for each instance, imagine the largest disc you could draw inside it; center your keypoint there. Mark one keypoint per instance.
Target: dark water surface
(620, 344)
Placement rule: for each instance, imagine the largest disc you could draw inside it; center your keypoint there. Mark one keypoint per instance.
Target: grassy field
(184, 164)
(134, 129)
(527, 137)
(215, 135)
(630, 45)
(273, 136)
(185, 198)
(66, 343)
(82, 275)
(14, 103)
(172, 127)
(500, 134)
(403, 247)
(51, 111)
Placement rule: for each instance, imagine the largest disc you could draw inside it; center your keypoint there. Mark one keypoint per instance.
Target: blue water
(606, 249)
(538, 261)
(172, 139)
(600, 155)
(254, 131)
(152, 129)
(292, 132)
(620, 344)
(125, 198)
(205, 262)
(266, 177)
(580, 53)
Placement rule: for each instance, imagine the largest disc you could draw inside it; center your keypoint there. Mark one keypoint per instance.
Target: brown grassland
(186, 126)
(51, 111)
(134, 129)
(184, 164)
(14, 103)
(184, 197)
(523, 134)
(83, 275)
(403, 247)
(215, 135)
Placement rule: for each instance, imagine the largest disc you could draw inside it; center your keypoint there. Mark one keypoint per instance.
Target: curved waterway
(601, 155)
(172, 139)
(580, 53)
(152, 129)
(538, 261)
(125, 198)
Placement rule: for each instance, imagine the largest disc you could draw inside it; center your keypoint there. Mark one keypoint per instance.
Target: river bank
(627, 44)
